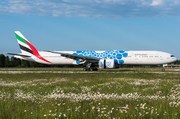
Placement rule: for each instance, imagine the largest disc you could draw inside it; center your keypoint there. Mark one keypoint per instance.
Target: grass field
(71, 93)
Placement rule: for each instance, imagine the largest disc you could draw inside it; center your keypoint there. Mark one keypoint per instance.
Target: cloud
(92, 8)
(156, 2)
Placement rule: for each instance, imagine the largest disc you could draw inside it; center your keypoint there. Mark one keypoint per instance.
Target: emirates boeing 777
(91, 60)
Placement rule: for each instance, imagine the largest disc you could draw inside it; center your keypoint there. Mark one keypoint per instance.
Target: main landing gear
(90, 69)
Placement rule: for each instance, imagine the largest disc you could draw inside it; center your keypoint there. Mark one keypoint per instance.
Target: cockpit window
(172, 56)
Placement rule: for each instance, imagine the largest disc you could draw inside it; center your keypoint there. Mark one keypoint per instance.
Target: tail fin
(26, 47)
(23, 44)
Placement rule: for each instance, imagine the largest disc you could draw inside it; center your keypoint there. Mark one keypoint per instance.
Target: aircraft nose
(173, 58)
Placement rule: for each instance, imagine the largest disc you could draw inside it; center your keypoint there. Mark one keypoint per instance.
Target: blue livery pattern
(114, 54)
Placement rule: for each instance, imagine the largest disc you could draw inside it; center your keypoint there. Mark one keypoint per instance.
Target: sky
(91, 25)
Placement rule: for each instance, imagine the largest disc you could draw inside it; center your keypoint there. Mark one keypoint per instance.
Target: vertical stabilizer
(27, 48)
(23, 43)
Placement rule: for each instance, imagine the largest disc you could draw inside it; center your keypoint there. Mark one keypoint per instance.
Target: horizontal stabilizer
(18, 54)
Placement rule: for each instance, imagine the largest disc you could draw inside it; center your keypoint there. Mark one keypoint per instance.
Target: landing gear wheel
(90, 69)
(95, 69)
(163, 70)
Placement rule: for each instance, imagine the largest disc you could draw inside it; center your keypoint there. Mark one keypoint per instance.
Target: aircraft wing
(77, 57)
(22, 55)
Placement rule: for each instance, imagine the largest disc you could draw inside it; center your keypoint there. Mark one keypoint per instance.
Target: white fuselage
(149, 58)
(128, 57)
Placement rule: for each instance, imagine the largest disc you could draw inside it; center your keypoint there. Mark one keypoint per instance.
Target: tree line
(5, 61)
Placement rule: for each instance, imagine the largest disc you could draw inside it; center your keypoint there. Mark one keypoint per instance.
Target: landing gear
(163, 69)
(90, 69)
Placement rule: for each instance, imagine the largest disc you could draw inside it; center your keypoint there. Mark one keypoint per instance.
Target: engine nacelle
(107, 64)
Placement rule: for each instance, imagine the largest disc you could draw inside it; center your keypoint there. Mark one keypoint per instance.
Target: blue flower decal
(77, 61)
(116, 55)
(108, 64)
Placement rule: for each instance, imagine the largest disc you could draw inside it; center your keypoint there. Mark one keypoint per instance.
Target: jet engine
(107, 64)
